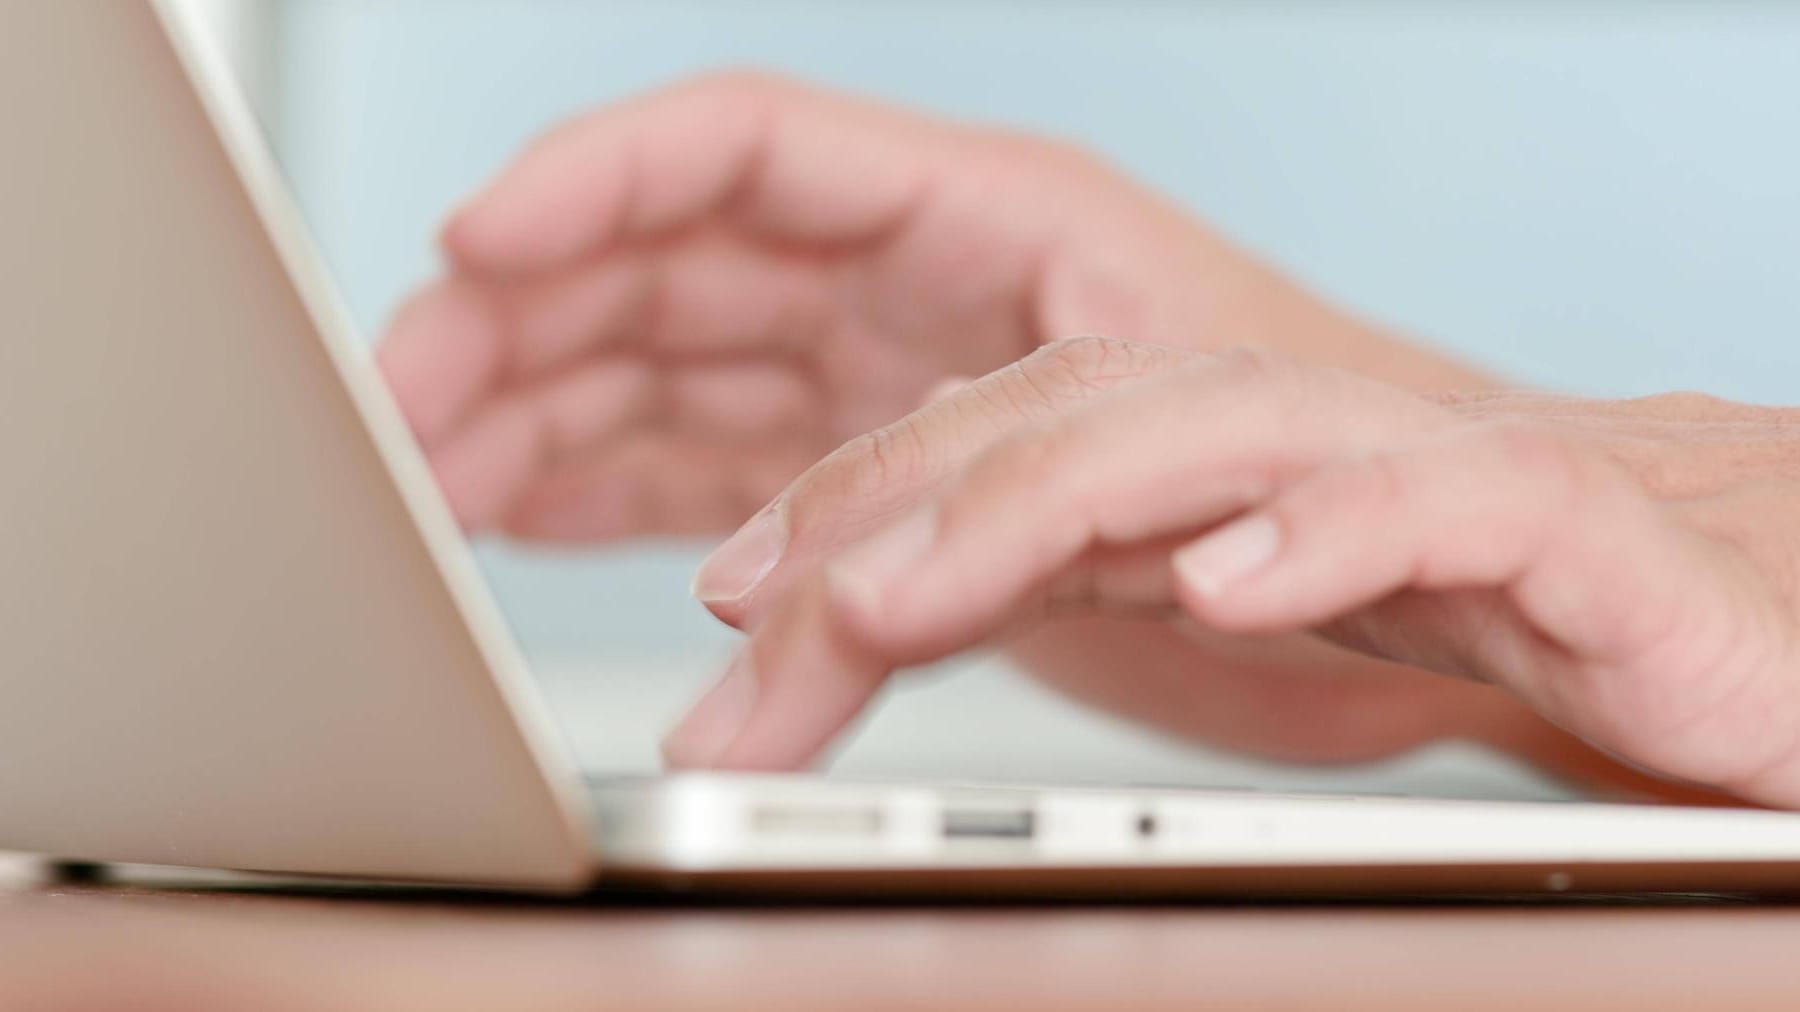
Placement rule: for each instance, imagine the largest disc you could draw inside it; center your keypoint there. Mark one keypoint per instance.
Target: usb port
(989, 823)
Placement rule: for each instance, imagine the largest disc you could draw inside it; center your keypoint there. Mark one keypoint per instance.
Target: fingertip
(441, 350)
(1212, 566)
(735, 614)
(739, 566)
(458, 244)
(484, 470)
(708, 730)
(542, 213)
(813, 682)
(1205, 608)
(487, 238)
(1219, 577)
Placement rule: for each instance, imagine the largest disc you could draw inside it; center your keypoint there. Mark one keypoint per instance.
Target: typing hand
(1625, 571)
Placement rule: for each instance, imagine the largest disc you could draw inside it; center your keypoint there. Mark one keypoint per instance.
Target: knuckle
(869, 469)
(1284, 391)
(1091, 363)
(1017, 391)
(733, 99)
(888, 456)
(1690, 404)
(1079, 355)
(1072, 156)
(739, 82)
(1058, 154)
(1536, 453)
(895, 454)
(1383, 479)
(1075, 367)
(727, 96)
(1254, 365)
(1363, 487)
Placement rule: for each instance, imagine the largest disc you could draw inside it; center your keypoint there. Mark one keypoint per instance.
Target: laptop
(240, 630)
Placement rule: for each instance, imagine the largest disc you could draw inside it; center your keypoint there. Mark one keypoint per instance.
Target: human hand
(1623, 570)
(665, 310)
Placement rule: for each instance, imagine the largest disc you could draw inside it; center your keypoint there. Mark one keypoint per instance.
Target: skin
(1591, 560)
(663, 314)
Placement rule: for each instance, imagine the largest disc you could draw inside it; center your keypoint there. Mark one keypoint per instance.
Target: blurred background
(1599, 197)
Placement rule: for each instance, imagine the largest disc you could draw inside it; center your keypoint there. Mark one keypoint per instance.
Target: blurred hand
(1624, 570)
(664, 311)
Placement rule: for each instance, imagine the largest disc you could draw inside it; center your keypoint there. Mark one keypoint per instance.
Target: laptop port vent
(989, 824)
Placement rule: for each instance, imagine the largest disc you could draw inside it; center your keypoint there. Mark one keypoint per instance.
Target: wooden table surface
(103, 947)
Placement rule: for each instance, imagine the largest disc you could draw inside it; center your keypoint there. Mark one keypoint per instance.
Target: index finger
(1144, 463)
(443, 351)
(874, 477)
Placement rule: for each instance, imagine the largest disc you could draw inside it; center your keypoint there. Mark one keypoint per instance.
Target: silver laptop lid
(237, 627)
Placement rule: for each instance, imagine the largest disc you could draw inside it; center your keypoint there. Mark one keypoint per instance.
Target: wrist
(1141, 268)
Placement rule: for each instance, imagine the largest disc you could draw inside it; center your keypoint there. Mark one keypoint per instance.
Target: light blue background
(1600, 197)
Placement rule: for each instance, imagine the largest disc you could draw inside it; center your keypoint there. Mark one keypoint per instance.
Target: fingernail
(708, 730)
(1211, 565)
(738, 565)
(864, 573)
